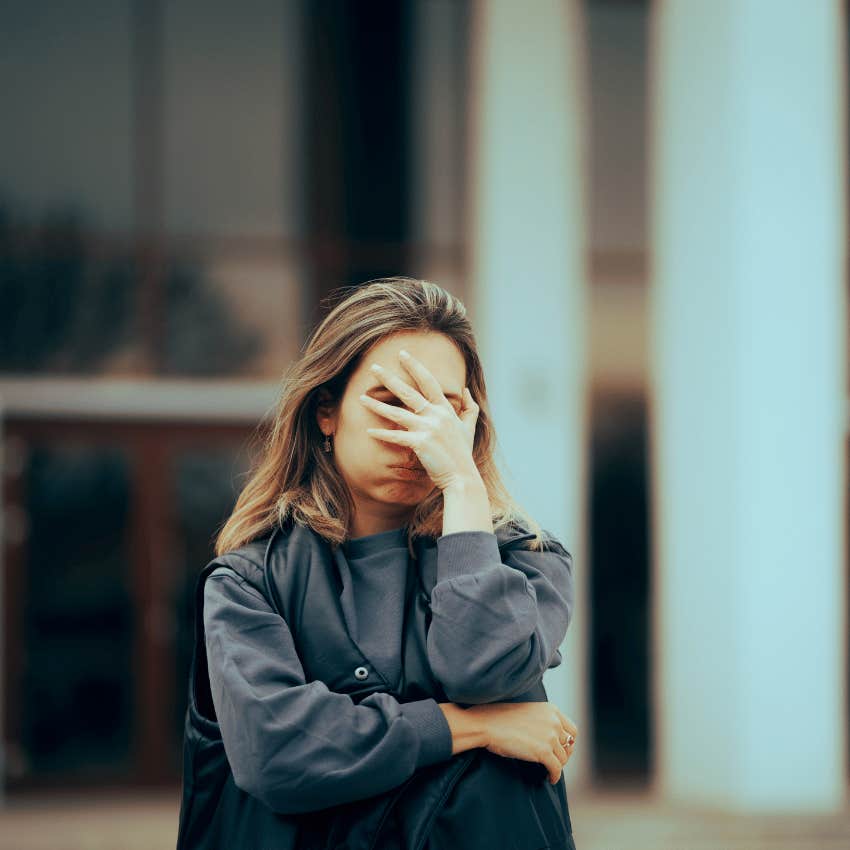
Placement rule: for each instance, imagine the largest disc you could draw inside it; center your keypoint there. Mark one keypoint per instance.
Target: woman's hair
(294, 478)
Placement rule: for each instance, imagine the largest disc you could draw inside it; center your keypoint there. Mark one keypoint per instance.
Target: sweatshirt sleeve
(298, 746)
(498, 618)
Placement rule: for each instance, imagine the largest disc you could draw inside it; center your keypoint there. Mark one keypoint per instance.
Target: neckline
(357, 547)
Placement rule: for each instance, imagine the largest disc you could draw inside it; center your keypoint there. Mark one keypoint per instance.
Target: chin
(406, 492)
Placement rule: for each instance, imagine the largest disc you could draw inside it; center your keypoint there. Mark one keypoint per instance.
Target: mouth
(413, 471)
(410, 464)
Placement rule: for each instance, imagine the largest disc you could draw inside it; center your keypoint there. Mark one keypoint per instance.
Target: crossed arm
(298, 746)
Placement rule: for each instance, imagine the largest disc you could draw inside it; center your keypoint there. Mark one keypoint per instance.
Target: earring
(327, 442)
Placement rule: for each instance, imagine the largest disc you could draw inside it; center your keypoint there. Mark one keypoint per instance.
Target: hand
(441, 439)
(531, 731)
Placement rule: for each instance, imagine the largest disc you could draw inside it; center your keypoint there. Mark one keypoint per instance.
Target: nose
(408, 459)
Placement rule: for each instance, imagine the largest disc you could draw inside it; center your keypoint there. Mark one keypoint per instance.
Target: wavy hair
(292, 477)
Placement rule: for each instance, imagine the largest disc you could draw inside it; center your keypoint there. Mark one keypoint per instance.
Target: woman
(371, 638)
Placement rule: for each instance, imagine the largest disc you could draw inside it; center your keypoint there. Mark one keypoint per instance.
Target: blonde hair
(293, 478)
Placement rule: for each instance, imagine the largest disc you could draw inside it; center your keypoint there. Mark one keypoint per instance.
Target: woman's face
(384, 495)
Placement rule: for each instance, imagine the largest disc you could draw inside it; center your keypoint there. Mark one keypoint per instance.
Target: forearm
(497, 618)
(467, 727)
(298, 746)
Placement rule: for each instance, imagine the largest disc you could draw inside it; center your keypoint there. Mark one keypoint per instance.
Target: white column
(527, 232)
(749, 387)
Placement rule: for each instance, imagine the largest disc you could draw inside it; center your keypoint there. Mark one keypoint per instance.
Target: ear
(326, 411)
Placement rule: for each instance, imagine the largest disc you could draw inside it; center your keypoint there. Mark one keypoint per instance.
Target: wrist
(465, 483)
(468, 727)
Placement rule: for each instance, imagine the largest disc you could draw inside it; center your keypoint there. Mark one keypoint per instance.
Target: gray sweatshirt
(380, 567)
(496, 627)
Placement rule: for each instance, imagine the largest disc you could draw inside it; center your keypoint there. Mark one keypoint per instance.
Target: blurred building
(181, 184)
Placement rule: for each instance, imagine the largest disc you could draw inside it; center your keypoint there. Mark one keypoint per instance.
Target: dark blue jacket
(312, 748)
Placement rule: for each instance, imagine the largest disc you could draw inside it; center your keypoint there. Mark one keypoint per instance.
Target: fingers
(569, 727)
(561, 753)
(426, 382)
(470, 405)
(400, 438)
(553, 764)
(389, 411)
(410, 396)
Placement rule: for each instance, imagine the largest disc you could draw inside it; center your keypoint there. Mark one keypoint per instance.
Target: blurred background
(642, 205)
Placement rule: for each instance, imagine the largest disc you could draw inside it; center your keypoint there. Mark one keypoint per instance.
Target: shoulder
(261, 562)
(515, 534)
(245, 563)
